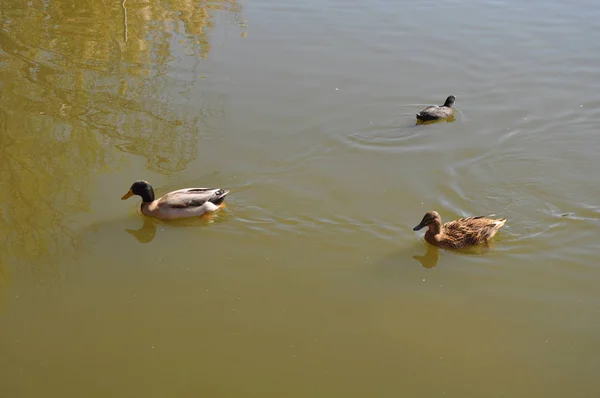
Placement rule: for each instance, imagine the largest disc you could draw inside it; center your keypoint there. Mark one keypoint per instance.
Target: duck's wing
(192, 197)
(427, 110)
(441, 111)
(470, 222)
(474, 229)
(435, 112)
(462, 232)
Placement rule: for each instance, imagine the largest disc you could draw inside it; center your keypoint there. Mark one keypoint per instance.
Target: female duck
(459, 233)
(435, 112)
(187, 202)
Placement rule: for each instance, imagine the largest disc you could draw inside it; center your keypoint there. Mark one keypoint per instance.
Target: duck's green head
(141, 188)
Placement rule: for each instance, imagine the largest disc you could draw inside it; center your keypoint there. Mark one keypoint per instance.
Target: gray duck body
(436, 112)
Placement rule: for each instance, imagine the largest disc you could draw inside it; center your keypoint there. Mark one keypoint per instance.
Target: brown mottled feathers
(459, 233)
(470, 231)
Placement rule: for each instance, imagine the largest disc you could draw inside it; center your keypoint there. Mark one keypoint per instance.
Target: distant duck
(460, 233)
(187, 202)
(435, 112)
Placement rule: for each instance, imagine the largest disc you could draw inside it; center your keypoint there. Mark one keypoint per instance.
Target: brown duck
(459, 233)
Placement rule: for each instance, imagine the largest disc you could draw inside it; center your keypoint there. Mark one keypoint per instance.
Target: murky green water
(311, 282)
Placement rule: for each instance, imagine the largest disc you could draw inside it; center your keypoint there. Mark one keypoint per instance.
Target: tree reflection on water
(79, 80)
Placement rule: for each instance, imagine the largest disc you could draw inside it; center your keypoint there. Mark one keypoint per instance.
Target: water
(311, 282)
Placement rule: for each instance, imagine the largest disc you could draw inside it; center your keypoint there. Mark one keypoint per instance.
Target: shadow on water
(78, 83)
(418, 122)
(403, 259)
(449, 119)
(431, 256)
(432, 253)
(147, 232)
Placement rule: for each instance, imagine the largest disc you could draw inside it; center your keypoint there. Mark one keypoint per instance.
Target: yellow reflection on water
(44, 167)
(430, 258)
(449, 119)
(146, 233)
(80, 83)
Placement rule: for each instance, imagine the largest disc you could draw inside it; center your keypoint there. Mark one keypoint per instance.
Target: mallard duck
(459, 233)
(435, 112)
(187, 202)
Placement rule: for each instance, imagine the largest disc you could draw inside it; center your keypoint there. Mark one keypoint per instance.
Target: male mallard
(459, 233)
(187, 202)
(435, 112)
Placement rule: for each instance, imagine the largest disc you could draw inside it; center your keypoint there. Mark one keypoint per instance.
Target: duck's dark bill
(418, 227)
(127, 195)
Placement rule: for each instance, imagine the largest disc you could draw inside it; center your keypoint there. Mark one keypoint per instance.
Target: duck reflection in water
(432, 254)
(449, 119)
(147, 232)
(430, 258)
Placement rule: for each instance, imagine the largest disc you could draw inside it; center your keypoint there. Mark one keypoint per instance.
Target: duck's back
(434, 112)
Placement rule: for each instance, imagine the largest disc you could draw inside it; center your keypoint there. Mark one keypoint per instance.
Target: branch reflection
(75, 93)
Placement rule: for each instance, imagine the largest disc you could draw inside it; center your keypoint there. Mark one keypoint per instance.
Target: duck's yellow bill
(127, 195)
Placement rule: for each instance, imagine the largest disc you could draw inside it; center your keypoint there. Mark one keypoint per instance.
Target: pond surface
(311, 281)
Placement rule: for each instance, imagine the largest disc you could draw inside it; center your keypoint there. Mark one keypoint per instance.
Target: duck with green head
(183, 203)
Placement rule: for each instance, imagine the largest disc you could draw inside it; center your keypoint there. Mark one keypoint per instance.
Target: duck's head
(141, 188)
(450, 101)
(431, 217)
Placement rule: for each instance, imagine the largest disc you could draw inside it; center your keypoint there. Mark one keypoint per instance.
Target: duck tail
(497, 224)
(494, 227)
